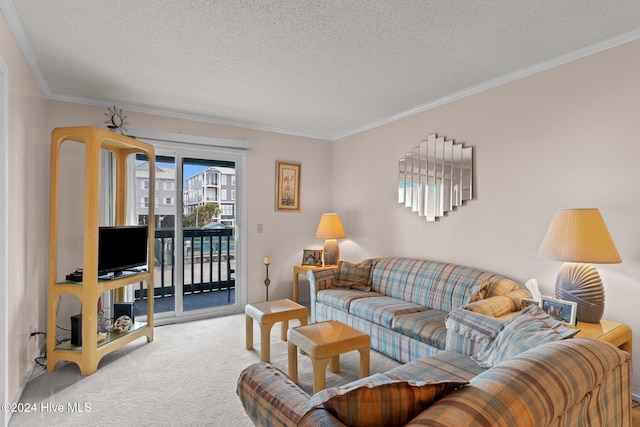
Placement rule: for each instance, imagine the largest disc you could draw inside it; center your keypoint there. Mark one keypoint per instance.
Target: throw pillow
(380, 401)
(355, 276)
(479, 291)
(529, 328)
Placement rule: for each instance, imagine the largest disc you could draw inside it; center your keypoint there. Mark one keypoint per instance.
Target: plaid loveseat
(573, 382)
(409, 299)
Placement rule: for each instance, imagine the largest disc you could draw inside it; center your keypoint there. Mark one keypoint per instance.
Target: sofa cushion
(427, 326)
(382, 310)
(445, 365)
(354, 276)
(378, 400)
(342, 298)
(529, 328)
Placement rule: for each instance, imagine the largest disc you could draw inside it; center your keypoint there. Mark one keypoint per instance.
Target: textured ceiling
(321, 68)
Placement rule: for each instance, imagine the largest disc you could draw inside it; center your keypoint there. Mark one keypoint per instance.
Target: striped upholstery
(434, 284)
(574, 382)
(441, 366)
(468, 332)
(410, 287)
(427, 326)
(378, 400)
(270, 398)
(562, 384)
(382, 310)
(342, 298)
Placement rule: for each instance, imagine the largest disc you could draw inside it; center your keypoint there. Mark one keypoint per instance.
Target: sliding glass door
(198, 264)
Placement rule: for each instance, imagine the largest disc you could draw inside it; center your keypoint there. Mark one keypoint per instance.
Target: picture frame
(287, 186)
(312, 257)
(564, 311)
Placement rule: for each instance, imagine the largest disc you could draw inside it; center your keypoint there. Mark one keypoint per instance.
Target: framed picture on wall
(287, 186)
(564, 311)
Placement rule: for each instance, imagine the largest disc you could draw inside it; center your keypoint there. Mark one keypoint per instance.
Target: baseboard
(635, 397)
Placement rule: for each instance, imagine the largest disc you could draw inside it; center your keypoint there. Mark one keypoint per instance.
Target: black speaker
(123, 309)
(76, 330)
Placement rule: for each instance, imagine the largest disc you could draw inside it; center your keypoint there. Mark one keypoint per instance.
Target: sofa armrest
(270, 398)
(319, 279)
(468, 331)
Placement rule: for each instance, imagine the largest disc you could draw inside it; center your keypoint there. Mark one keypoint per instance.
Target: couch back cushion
(438, 285)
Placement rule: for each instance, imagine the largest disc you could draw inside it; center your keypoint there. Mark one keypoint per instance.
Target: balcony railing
(208, 262)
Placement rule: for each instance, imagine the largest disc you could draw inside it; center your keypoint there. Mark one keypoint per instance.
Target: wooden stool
(267, 314)
(324, 342)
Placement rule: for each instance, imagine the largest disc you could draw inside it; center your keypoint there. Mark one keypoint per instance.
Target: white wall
(566, 137)
(28, 170)
(285, 234)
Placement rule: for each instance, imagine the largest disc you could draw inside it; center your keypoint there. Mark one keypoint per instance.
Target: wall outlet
(260, 228)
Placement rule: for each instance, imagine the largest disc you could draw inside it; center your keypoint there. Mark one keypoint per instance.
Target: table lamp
(580, 237)
(330, 228)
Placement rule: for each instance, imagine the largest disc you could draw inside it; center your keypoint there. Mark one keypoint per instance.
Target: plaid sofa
(404, 312)
(573, 382)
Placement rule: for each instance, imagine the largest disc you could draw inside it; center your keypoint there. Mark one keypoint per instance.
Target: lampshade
(580, 237)
(330, 228)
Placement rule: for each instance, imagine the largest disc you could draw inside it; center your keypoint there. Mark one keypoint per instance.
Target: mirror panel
(401, 180)
(408, 186)
(435, 177)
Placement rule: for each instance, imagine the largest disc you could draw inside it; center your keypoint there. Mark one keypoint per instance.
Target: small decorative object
(564, 311)
(267, 282)
(435, 177)
(312, 257)
(579, 237)
(122, 324)
(330, 228)
(116, 120)
(532, 285)
(287, 187)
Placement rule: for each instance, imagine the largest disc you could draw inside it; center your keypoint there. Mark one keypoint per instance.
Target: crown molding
(499, 81)
(15, 25)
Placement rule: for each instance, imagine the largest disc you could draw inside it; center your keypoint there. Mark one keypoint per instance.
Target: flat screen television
(121, 248)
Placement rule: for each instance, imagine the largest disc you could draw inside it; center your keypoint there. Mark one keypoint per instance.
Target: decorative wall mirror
(435, 176)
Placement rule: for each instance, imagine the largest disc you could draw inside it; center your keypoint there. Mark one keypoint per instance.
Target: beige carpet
(185, 377)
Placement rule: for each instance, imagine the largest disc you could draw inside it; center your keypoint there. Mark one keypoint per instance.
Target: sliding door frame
(180, 146)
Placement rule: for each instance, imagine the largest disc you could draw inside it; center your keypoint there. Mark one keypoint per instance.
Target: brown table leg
(365, 353)
(249, 332)
(293, 361)
(265, 341)
(320, 373)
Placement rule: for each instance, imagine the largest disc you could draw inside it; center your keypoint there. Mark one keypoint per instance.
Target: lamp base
(331, 252)
(582, 284)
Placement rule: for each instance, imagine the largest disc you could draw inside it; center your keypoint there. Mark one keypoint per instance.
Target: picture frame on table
(287, 186)
(312, 257)
(564, 311)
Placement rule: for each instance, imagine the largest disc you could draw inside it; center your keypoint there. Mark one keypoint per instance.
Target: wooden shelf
(92, 287)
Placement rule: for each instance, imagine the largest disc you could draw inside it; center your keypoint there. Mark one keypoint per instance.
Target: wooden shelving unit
(91, 352)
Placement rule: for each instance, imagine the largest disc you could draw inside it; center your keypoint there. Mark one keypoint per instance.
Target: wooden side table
(324, 342)
(299, 269)
(616, 333)
(267, 314)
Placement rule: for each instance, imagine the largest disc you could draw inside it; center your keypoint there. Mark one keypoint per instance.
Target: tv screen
(121, 248)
